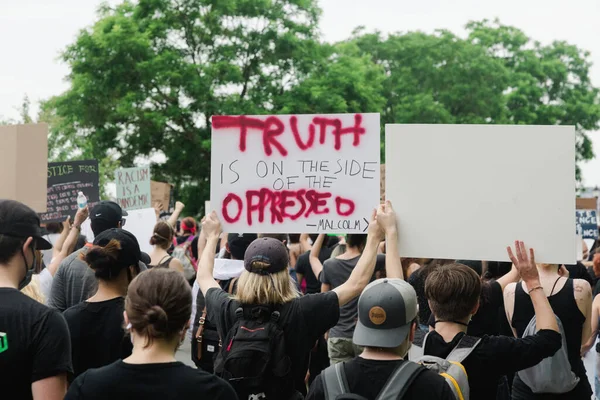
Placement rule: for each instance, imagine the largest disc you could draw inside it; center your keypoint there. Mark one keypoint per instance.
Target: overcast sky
(33, 32)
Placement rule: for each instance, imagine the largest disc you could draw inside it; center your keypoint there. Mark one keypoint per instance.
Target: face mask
(28, 271)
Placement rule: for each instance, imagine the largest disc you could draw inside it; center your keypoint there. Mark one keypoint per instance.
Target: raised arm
(304, 243)
(527, 268)
(211, 226)
(594, 326)
(511, 277)
(583, 298)
(362, 273)
(179, 206)
(315, 263)
(71, 240)
(387, 219)
(57, 247)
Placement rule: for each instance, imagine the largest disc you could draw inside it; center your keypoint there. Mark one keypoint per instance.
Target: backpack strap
(417, 351)
(200, 332)
(400, 380)
(334, 381)
(465, 346)
(231, 286)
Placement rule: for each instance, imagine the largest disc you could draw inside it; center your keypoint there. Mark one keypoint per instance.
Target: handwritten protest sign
(23, 163)
(295, 173)
(586, 203)
(133, 188)
(65, 181)
(161, 194)
(587, 223)
(479, 190)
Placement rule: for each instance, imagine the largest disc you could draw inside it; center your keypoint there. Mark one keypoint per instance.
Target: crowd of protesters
(286, 316)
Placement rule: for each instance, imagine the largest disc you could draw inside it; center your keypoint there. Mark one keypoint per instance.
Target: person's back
(157, 312)
(96, 325)
(453, 292)
(563, 299)
(386, 327)
(35, 352)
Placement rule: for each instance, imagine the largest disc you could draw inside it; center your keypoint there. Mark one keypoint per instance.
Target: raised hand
(386, 217)
(80, 217)
(524, 262)
(211, 226)
(375, 230)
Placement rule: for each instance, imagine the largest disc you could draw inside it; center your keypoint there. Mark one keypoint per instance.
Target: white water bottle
(81, 200)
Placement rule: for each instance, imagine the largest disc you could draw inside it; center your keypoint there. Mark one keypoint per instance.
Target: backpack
(253, 358)
(183, 252)
(335, 384)
(552, 374)
(206, 343)
(451, 367)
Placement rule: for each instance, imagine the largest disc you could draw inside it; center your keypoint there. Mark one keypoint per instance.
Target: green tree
(146, 78)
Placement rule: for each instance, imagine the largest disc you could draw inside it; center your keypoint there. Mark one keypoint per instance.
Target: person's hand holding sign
(211, 229)
(211, 226)
(387, 219)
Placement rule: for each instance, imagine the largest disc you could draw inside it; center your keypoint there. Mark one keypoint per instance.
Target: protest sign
(133, 188)
(23, 164)
(479, 190)
(65, 181)
(587, 223)
(295, 173)
(141, 224)
(161, 193)
(586, 203)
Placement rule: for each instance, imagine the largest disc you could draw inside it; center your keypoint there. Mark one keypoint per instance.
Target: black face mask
(28, 270)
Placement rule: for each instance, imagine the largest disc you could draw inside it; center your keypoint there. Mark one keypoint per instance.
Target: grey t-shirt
(335, 273)
(74, 282)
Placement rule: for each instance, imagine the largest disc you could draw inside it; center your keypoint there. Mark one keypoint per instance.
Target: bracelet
(535, 288)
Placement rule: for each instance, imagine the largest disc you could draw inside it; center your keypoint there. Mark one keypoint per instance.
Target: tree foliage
(147, 77)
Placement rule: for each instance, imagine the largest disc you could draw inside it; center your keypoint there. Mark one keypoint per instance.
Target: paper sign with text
(65, 181)
(587, 223)
(479, 190)
(133, 188)
(161, 194)
(295, 173)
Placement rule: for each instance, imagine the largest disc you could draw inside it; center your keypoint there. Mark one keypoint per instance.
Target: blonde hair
(33, 290)
(277, 288)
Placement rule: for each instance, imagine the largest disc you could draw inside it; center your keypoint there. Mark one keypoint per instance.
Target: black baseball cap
(239, 243)
(18, 220)
(269, 251)
(129, 254)
(386, 309)
(107, 211)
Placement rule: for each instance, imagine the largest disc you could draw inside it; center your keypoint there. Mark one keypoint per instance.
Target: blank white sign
(468, 191)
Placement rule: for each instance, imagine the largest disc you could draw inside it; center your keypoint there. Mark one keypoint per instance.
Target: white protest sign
(295, 173)
(133, 188)
(468, 191)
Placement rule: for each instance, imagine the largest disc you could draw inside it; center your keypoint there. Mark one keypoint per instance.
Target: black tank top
(565, 307)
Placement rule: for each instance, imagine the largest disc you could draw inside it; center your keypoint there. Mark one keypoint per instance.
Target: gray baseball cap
(386, 309)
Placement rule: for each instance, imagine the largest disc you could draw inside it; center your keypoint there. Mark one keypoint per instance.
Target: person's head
(188, 226)
(282, 237)
(54, 227)
(497, 269)
(453, 292)
(106, 215)
(158, 307)
(162, 236)
(114, 257)
(20, 237)
(338, 250)
(596, 258)
(474, 265)
(387, 316)
(266, 279)
(238, 243)
(356, 241)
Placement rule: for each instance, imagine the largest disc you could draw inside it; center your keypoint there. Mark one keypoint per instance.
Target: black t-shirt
(303, 267)
(149, 381)
(496, 356)
(490, 316)
(303, 320)
(97, 334)
(367, 377)
(34, 343)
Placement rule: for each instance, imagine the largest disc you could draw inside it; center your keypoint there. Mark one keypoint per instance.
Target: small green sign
(3, 342)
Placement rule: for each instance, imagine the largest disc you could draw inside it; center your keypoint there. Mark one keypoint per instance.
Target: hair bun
(158, 320)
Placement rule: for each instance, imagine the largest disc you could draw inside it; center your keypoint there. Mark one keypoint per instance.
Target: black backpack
(253, 358)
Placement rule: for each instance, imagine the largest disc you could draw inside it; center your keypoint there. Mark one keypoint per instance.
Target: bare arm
(304, 243)
(362, 273)
(583, 298)
(510, 277)
(313, 258)
(176, 265)
(52, 388)
(70, 242)
(325, 287)
(179, 206)
(594, 327)
(387, 219)
(525, 263)
(57, 247)
(212, 228)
